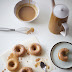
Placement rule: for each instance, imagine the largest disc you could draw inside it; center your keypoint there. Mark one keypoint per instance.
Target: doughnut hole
(11, 64)
(64, 53)
(24, 70)
(17, 49)
(34, 48)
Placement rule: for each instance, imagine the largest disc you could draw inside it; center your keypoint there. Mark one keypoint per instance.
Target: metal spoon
(24, 30)
(43, 66)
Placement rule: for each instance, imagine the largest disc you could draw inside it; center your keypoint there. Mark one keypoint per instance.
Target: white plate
(54, 55)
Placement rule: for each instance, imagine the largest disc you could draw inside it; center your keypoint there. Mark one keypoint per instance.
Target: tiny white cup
(27, 2)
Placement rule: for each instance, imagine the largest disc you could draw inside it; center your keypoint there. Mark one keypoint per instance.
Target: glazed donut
(19, 50)
(26, 69)
(62, 54)
(34, 49)
(12, 56)
(12, 64)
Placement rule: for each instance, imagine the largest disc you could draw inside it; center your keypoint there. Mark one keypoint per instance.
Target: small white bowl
(26, 2)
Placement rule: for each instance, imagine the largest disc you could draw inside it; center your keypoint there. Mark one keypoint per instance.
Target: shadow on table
(43, 18)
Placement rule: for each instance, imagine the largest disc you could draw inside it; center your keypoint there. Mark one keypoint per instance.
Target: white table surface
(47, 39)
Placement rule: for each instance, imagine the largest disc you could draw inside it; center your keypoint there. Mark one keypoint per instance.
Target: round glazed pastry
(62, 54)
(34, 49)
(26, 69)
(19, 50)
(12, 64)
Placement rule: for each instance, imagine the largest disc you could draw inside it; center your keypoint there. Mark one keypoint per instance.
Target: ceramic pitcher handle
(65, 32)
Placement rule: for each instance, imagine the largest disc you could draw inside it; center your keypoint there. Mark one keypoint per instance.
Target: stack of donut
(19, 51)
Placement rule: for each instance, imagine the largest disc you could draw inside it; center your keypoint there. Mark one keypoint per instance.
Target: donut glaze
(26, 69)
(62, 54)
(12, 64)
(34, 49)
(19, 50)
(12, 55)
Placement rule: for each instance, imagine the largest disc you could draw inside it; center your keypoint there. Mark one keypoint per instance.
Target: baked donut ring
(19, 50)
(34, 49)
(62, 54)
(12, 64)
(26, 69)
(12, 55)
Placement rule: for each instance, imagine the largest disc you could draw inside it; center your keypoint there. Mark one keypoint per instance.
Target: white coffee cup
(27, 2)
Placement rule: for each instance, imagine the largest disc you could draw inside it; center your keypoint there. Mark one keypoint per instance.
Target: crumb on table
(48, 67)
(38, 59)
(27, 52)
(3, 70)
(21, 58)
(37, 64)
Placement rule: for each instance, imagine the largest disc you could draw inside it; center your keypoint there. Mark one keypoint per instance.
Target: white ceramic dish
(54, 55)
(24, 2)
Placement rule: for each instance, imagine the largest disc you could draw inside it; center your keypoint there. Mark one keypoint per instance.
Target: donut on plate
(62, 54)
(34, 49)
(12, 64)
(26, 69)
(19, 50)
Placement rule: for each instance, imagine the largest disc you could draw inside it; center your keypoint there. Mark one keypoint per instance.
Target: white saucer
(54, 55)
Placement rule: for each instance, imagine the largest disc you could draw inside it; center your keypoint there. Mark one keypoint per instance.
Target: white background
(47, 39)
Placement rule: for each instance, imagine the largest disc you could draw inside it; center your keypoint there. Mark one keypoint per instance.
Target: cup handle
(65, 32)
